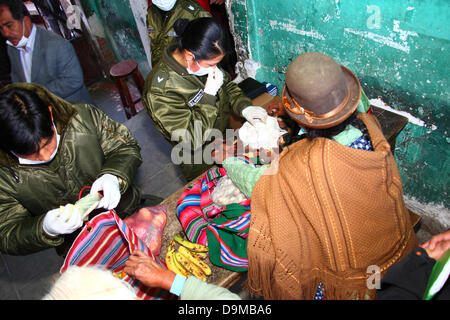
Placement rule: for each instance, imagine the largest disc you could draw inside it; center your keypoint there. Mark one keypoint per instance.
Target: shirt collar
(30, 43)
(170, 60)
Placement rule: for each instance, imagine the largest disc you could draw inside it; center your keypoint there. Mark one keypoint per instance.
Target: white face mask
(23, 41)
(200, 72)
(164, 5)
(27, 161)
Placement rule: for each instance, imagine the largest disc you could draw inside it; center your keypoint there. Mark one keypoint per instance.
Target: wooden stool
(120, 72)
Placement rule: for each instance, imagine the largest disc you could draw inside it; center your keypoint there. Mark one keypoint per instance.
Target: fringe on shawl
(259, 277)
(268, 288)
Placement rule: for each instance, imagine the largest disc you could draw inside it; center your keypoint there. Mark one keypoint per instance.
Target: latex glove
(109, 184)
(63, 220)
(254, 113)
(214, 81)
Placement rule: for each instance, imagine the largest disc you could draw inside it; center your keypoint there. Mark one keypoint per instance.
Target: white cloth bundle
(261, 135)
(225, 192)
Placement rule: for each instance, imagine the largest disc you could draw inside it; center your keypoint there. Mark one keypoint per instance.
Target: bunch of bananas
(188, 258)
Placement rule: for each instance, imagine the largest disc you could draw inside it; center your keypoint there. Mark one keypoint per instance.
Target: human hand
(62, 220)
(276, 109)
(214, 81)
(110, 186)
(440, 248)
(431, 244)
(254, 113)
(149, 272)
(437, 245)
(224, 149)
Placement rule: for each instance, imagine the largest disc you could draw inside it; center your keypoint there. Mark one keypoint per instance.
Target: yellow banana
(192, 268)
(200, 255)
(170, 258)
(182, 270)
(190, 245)
(194, 260)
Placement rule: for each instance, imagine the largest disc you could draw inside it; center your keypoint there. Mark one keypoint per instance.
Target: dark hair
(204, 37)
(24, 121)
(17, 8)
(333, 131)
(330, 132)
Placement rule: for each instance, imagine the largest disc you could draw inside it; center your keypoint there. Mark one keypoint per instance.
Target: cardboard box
(264, 100)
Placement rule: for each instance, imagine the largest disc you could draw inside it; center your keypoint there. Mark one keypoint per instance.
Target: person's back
(160, 22)
(328, 212)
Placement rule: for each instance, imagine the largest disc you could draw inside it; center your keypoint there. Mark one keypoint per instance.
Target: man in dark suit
(40, 56)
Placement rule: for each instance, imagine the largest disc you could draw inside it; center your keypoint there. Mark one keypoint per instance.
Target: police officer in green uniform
(161, 17)
(187, 88)
(50, 149)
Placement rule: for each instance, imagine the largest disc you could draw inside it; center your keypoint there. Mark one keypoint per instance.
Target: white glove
(111, 191)
(254, 113)
(214, 81)
(63, 220)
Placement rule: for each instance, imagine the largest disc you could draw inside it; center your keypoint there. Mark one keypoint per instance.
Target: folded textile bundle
(223, 229)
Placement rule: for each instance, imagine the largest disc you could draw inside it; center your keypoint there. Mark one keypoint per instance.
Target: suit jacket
(54, 66)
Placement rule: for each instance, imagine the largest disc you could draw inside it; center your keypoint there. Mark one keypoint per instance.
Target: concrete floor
(29, 277)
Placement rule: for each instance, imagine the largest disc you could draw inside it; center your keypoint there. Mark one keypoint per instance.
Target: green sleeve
(243, 175)
(196, 289)
(239, 101)
(120, 148)
(20, 232)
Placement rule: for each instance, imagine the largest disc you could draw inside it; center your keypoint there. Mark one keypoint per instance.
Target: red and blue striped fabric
(198, 213)
(226, 235)
(195, 207)
(106, 241)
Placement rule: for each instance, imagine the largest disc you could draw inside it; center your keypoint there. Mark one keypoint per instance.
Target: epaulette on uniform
(160, 79)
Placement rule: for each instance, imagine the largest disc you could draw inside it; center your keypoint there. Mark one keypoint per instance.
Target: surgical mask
(200, 72)
(164, 5)
(27, 161)
(23, 41)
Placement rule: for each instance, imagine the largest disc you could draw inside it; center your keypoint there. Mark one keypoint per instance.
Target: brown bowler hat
(319, 93)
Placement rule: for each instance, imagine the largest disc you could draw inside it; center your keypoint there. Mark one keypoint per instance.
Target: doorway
(66, 18)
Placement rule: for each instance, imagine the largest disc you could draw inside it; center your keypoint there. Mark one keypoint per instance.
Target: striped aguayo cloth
(223, 230)
(107, 241)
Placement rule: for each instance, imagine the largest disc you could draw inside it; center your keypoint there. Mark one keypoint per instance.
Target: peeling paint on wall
(291, 27)
(398, 49)
(238, 32)
(139, 9)
(411, 119)
(380, 39)
(119, 27)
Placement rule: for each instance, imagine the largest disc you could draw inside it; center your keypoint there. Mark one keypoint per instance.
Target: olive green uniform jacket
(161, 31)
(91, 145)
(175, 101)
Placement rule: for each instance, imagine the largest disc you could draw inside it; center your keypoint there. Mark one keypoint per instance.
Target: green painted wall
(398, 49)
(119, 27)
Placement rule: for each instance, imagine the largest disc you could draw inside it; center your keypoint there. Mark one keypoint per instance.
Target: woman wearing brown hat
(333, 206)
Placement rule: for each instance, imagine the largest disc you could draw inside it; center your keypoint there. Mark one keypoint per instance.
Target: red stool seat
(120, 72)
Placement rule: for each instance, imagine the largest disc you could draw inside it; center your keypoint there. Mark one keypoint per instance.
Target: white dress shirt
(26, 54)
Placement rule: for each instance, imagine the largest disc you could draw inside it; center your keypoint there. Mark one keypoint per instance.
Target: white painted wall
(139, 8)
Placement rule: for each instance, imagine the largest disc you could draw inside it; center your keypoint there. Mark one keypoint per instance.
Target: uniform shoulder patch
(160, 79)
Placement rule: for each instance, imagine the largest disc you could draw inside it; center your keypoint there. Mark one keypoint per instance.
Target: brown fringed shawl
(326, 215)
